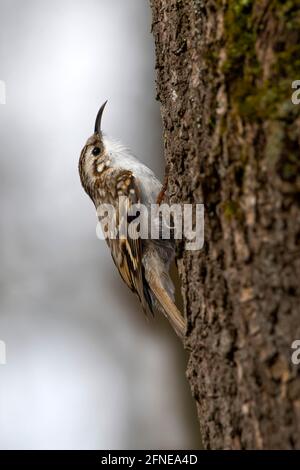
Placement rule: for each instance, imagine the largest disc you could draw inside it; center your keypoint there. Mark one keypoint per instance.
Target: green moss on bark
(255, 96)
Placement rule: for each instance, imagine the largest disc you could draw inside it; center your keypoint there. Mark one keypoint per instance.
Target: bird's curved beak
(98, 119)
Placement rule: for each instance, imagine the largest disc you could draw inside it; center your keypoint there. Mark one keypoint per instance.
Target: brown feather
(171, 311)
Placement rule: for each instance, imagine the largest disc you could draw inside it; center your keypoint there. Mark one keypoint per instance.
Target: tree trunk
(231, 134)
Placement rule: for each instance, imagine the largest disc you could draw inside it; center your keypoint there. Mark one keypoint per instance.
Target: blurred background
(85, 370)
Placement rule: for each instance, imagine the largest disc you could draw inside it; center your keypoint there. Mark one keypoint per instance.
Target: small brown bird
(110, 174)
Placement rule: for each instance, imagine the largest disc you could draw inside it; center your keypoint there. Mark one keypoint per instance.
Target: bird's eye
(96, 151)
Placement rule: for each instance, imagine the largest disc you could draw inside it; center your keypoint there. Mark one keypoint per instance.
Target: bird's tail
(167, 305)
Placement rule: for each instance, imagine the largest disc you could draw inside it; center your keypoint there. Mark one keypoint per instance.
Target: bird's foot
(163, 191)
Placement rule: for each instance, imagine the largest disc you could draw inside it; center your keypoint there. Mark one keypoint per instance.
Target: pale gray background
(84, 368)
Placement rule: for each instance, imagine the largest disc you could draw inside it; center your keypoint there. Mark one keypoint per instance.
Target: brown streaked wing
(127, 252)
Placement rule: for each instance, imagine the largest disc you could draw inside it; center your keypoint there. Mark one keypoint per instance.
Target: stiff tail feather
(171, 311)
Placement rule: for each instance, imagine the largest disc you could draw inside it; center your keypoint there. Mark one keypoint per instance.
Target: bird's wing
(126, 251)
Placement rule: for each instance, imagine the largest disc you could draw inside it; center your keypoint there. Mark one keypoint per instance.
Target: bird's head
(90, 156)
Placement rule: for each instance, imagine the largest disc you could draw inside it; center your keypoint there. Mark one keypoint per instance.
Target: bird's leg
(163, 190)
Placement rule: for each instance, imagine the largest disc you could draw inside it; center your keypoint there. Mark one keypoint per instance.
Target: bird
(110, 173)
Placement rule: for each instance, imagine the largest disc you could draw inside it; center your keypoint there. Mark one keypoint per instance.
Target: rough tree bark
(232, 137)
